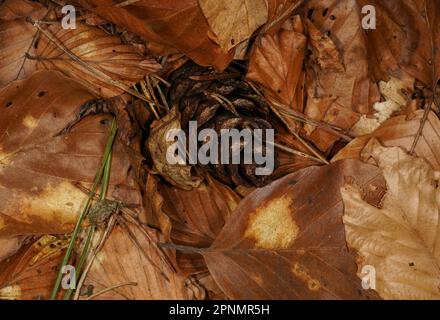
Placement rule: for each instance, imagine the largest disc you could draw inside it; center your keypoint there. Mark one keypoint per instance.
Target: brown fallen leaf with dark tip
(31, 272)
(179, 175)
(45, 172)
(287, 240)
(180, 25)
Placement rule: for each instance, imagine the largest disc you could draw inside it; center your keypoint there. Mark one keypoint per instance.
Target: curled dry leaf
(336, 95)
(179, 175)
(190, 218)
(177, 24)
(395, 99)
(31, 272)
(401, 238)
(287, 240)
(44, 159)
(101, 51)
(233, 22)
(400, 132)
(195, 217)
(17, 38)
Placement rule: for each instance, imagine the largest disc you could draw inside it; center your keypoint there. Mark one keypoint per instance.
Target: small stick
(110, 289)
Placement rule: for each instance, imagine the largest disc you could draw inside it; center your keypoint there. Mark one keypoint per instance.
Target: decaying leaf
(400, 132)
(393, 93)
(8, 246)
(99, 50)
(400, 239)
(131, 260)
(233, 21)
(195, 218)
(180, 25)
(406, 39)
(17, 37)
(287, 240)
(31, 272)
(42, 165)
(276, 63)
(179, 175)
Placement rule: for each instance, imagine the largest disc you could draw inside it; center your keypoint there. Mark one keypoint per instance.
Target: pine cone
(220, 101)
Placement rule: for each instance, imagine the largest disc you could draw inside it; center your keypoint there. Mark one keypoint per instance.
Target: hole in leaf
(104, 122)
(332, 17)
(8, 104)
(41, 94)
(310, 13)
(324, 13)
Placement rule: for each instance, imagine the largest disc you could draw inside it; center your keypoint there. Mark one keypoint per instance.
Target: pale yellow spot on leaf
(56, 203)
(301, 272)
(10, 293)
(30, 122)
(272, 226)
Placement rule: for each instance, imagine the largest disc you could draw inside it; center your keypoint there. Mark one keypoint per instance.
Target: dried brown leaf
(180, 25)
(17, 37)
(41, 164)
(400, 239)
(102, 51)
(130, 258)
(31, 272)
(400, 132)
(287, 240)
(233, 22)
(179, 175)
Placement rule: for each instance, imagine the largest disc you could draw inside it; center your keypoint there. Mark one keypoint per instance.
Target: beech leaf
(400, 239)
(287, 241)
(234, 21)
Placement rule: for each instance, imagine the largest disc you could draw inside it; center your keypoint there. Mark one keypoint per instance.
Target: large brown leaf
(196, 217)
(41, 164)
(401, 238)
(177, 24)
(129, 258)
(407, 37)
(287, 240)
(101, 51)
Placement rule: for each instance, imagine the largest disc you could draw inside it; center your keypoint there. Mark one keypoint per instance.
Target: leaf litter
(85, 176)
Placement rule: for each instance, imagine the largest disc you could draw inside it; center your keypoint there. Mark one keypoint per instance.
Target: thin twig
(110, 289)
